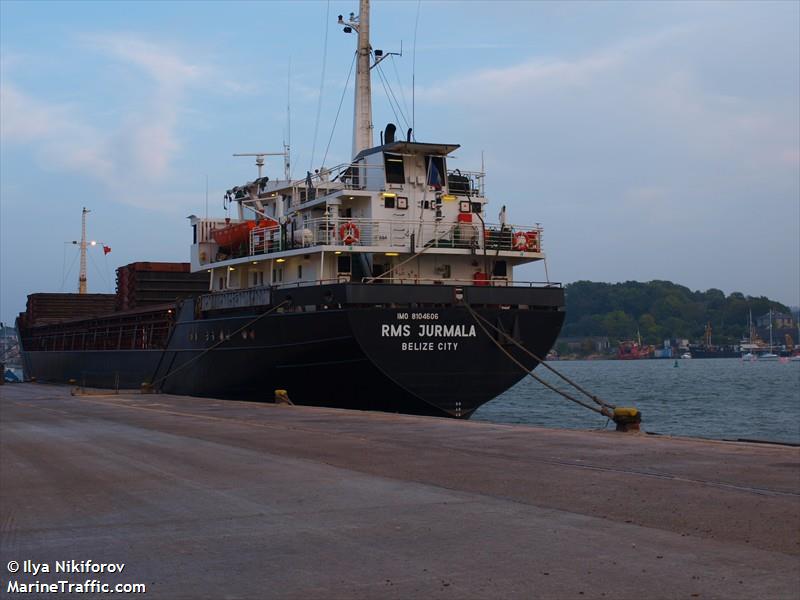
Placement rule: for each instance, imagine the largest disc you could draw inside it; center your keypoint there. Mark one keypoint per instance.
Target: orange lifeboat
(236, 235)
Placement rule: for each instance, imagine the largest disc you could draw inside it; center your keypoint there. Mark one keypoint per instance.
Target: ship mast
(82, 274)
(362, 110)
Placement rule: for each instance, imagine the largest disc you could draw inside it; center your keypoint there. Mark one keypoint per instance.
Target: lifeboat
(236, 235)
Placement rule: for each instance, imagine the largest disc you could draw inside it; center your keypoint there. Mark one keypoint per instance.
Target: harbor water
(712, 398)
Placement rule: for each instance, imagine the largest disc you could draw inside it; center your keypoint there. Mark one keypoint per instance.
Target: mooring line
(541, 361)
(215, 345)
(605, 410)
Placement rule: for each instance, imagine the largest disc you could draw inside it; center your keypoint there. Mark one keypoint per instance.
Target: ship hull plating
(434, 361)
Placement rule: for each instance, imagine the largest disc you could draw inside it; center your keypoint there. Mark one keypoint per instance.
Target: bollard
(627, 419)
(147, 388)
(282, 397)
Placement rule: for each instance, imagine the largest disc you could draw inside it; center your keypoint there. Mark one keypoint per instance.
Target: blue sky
(652, 140)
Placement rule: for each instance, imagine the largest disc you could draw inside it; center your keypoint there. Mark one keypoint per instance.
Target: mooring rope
(605, 409)
(586, 393)
(217, 344)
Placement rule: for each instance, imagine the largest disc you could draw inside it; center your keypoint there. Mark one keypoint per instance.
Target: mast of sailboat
(770, 329)
(362, 108)
(82, 274)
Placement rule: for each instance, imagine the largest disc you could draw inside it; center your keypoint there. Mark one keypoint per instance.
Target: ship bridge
(397, 213)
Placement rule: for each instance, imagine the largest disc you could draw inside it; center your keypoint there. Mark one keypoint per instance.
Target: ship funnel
(388, 136)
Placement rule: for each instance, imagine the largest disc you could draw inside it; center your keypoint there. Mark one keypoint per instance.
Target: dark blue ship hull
(346, 346)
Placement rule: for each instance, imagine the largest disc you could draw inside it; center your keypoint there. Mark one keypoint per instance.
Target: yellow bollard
(627, 419)
(282, 397)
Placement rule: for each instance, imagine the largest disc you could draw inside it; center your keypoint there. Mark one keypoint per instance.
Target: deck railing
(401, 236)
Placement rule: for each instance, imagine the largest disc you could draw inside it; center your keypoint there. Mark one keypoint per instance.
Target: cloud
(139, 148)
(63, 141)
(540, 75)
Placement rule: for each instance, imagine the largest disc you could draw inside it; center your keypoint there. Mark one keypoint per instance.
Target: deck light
(93, 243)
(392, 254)
(448, 197)
(255, 262)
(280, 260)
(338, 252)
(389, 195)
(231, 268)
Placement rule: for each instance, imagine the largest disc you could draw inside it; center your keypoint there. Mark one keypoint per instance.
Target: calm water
(712, 398)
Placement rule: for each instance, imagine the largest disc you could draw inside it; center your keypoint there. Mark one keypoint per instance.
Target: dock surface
(204, 498)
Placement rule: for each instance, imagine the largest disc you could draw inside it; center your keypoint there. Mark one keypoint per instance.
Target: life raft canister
(349, 233)
(533, 241)
(520, 241)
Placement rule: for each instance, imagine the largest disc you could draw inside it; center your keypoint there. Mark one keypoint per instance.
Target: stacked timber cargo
(143, 284)
(45, 309)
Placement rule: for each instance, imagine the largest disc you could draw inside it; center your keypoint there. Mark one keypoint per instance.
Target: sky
(651, 140)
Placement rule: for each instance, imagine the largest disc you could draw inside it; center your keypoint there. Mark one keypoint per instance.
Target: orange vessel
(236, 235)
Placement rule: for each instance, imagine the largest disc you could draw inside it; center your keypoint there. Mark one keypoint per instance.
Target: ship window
(388, 202)
(476, 207)
(344, 264)
(255, 278)
(500, 268)
(393, 163)
(299, 271)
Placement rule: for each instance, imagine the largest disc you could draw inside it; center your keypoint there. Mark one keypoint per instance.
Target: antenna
(260, 157)
(82, 274)
(206, 195)
(414, 72)
(288, 141)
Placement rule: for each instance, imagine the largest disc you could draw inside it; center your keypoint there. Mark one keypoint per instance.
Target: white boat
(769, 354)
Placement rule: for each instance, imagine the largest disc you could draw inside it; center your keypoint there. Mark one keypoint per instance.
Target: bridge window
(394, 168)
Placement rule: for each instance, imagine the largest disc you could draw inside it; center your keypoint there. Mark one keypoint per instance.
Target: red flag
(106, 249)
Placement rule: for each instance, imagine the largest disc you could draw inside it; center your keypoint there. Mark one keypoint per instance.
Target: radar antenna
(260, 159)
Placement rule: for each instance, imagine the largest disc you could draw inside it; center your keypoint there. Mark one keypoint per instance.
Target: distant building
(779, 321)
(596, 343)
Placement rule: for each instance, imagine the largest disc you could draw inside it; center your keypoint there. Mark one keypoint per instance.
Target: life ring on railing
(349, 233)
(520, 241)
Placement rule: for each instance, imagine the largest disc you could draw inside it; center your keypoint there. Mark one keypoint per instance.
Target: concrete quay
(204, 498)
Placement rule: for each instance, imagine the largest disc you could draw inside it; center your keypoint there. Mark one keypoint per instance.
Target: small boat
(686, 355)
(234, 236)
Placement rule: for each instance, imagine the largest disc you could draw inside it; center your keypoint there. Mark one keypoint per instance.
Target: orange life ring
(349, 233)
(520, 241)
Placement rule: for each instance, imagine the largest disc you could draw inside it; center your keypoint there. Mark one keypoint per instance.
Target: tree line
(659, 310)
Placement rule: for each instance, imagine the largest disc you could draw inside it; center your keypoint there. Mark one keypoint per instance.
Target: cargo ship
(378, 284)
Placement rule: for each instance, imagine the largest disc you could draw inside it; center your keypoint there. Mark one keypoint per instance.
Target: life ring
(349, 233)
(520, 241)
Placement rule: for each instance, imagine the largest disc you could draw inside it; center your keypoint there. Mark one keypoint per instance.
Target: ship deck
(204, 498)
